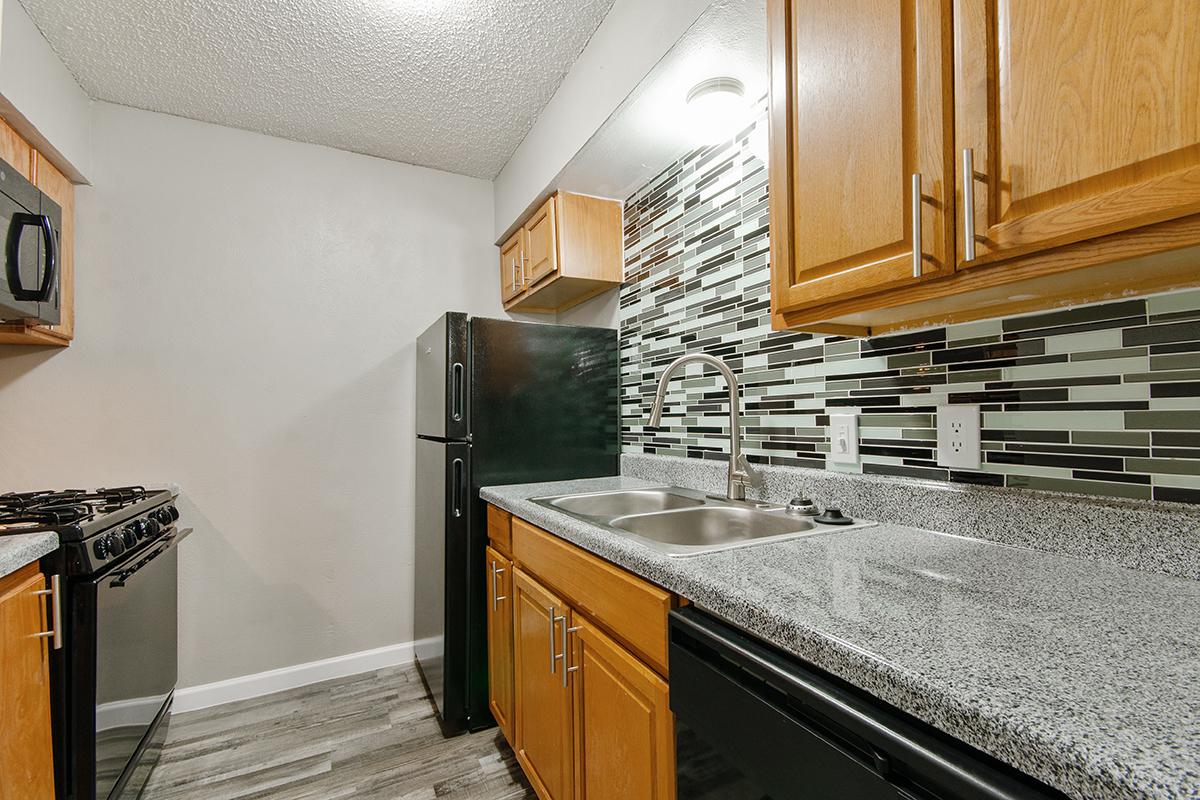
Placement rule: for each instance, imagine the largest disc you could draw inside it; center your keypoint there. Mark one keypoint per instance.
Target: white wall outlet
(843, 438)
(958, 436)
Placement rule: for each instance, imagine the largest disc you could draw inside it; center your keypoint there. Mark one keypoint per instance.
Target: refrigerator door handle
(456, 392)
(458, 488)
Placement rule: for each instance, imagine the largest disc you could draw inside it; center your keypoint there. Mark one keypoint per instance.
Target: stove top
(75, 513)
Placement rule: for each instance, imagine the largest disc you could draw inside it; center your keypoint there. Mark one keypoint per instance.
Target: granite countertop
(20, 549)
(1083, 674)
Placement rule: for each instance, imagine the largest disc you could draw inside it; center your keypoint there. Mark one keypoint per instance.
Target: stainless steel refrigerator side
(441, 379)
(429, 558)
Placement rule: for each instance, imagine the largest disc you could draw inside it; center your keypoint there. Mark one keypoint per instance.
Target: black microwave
(31, 224)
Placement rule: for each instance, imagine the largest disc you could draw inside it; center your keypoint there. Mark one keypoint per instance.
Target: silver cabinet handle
(916, 224)
(523, 278)
(567, 668)
(554, 620)
(553, 655)
(496, 596)
(968, 189)
(55, 592)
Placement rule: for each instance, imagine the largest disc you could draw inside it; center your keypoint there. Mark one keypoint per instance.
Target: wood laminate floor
(370, 736)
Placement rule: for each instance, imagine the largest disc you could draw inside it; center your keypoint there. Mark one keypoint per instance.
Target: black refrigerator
(497, 402)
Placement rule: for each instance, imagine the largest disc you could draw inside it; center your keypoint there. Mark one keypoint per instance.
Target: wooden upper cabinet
(860, 156)
(500, 641)
(541, 243)
(624, 731)
(34, 167)
(1057, 144)
(512, 266)
(572, 251)
(1082, 118)
(544, 709)
(26, 748)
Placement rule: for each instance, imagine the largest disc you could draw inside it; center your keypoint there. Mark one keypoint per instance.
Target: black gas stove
(115, 607)
(109, 522)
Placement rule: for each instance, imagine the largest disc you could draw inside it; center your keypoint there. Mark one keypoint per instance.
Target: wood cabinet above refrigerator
(936, 161)
(565, 252)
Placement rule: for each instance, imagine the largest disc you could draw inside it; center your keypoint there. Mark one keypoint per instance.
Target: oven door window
(136, 659)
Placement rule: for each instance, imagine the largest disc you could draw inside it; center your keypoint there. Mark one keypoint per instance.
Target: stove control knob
(130, 534)
(174, 512)
(150, 528)
(100, 547)
(114, 544)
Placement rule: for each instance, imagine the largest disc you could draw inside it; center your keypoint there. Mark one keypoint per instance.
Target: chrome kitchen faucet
(740, 473)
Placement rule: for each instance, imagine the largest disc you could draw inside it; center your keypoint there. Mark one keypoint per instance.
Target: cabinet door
(500, 641)
(542, 242)
(512, 266)
(543, 712)
(859, 105)
(1082, 118)
(26, 752)
(624, 729)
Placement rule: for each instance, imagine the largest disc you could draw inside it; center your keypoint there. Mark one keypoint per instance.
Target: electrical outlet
(843, 438)
(958, 436)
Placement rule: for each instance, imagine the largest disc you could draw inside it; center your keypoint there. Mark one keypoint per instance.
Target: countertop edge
(24, 548)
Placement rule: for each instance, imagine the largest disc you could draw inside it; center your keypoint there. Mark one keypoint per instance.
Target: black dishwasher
(753, 723)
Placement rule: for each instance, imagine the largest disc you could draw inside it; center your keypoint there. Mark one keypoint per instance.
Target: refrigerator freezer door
(442, 369)
(441, 563)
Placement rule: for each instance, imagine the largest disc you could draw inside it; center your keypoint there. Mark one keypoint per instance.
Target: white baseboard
(193, 698)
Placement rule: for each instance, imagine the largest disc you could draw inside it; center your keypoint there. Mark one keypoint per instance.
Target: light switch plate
(958, 436)
(843, 438)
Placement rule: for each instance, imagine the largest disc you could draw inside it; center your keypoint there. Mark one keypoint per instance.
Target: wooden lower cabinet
(590, 716)
(26, 750)
(624, 731)
(545, 725)
(500, 642)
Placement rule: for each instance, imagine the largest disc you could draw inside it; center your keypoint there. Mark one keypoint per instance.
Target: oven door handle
(168, 542)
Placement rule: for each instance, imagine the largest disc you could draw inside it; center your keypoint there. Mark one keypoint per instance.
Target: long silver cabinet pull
(567, 668)
(55, 593)
(968, 189)
(496, 596)
(523, 278)
(553, 656)
(916, 224)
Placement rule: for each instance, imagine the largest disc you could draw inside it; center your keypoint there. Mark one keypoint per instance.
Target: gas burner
(47, 515)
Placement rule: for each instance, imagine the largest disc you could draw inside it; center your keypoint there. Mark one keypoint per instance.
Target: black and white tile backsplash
(1101, 399)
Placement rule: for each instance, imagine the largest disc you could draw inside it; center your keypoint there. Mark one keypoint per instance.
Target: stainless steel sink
(621, 503)
(683, 522)
(713, 525)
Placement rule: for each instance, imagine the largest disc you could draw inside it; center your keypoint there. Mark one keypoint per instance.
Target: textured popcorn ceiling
(450, 84)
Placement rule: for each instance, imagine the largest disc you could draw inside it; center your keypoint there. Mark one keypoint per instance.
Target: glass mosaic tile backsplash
(1100, 399)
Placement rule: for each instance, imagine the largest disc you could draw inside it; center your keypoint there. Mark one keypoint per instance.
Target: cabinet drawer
(499, 524)
(631, 609)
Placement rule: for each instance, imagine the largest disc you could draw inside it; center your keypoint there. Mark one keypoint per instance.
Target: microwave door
(20, 264)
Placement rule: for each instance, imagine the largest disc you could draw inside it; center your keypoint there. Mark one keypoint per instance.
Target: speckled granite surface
(1083, 674)
(18, 550)
(1145, 535)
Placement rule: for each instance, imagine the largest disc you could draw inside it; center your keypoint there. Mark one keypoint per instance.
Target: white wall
(246, 314)
(39, 96)
(630, 40)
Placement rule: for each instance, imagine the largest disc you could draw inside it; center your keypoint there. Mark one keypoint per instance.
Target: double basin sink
(683, 522)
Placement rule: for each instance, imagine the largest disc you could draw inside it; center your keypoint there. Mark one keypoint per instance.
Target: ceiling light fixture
(716, 108)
